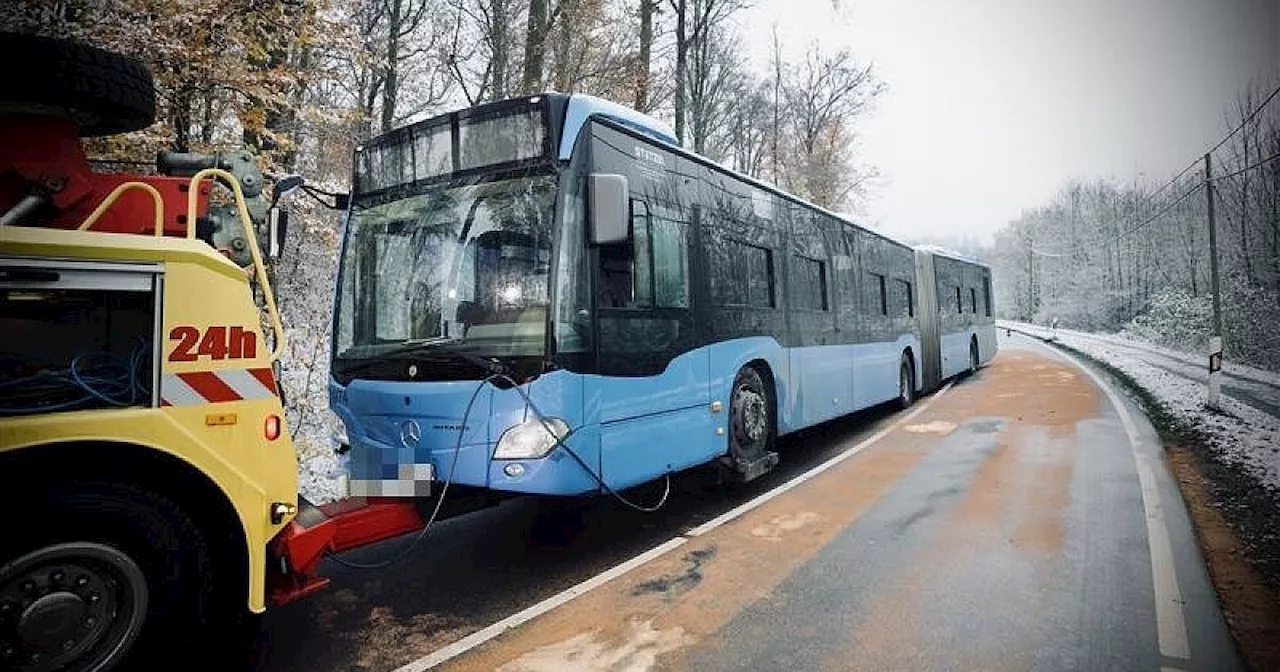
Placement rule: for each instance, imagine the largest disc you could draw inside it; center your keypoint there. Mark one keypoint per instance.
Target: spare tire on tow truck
(105, 93)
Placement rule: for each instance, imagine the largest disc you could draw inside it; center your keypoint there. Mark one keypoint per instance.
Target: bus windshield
(459, 268)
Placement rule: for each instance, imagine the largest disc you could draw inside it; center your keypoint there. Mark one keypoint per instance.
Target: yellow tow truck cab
(208, 429)
(142, 440)
(148, 479)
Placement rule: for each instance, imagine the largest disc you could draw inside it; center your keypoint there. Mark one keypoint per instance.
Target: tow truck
(148, 476)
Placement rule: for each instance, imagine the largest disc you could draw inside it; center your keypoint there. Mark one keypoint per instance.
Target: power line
(1221, 142)
(1129, 232)
(1246, 120)
(1246, 169)
(1250, 117)
(1174, 179)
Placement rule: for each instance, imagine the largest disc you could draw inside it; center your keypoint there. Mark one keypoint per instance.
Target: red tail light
(271, 428)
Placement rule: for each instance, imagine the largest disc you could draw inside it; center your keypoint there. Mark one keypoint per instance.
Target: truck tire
(103, 576)
(105, 93)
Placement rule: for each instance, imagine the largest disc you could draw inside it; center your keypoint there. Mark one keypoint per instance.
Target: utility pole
(1031, 282)
(1215, 339)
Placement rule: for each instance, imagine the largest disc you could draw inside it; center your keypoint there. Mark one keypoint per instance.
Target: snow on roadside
(318, 470)
(1241, 434)
(1196, 359)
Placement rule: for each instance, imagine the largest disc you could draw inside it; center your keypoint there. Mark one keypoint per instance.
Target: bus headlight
(530, 439)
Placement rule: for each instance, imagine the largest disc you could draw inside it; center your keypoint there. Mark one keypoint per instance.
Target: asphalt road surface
(1022, 518)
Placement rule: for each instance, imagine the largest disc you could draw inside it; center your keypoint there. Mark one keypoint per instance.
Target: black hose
(582, 463)
(457, 450)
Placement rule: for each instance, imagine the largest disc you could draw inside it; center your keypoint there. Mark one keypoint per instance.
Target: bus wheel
(973, 357)
(106, 576)
(751, 427)
(906, 383)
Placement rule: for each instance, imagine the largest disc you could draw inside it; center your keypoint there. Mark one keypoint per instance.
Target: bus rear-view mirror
(607, 205)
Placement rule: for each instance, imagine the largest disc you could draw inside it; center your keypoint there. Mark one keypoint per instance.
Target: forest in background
(302, 82)
(1108, 256)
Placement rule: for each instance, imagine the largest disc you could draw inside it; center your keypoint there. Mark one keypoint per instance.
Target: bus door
(652, 395)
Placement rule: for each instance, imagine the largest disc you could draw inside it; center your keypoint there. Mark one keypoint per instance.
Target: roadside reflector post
(1215, 370)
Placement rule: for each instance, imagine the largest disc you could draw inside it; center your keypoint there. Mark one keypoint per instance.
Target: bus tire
(906, 383)
(751, 417)
(105, 576)
(973, 356)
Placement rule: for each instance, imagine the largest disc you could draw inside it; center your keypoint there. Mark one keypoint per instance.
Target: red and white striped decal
(198, 388)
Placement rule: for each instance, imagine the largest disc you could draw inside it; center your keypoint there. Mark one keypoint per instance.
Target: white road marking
(491, 632)
(481, 636)
(789, 485)
(936, 427)
(637, 650)
(1171, 626)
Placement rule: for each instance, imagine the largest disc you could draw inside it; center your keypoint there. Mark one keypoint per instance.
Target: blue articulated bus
(547, 295)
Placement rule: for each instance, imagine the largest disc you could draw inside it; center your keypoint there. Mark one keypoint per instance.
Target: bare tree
(536, 31)
(695, 20)
(713, 70)
(823, 95)
(644, 55)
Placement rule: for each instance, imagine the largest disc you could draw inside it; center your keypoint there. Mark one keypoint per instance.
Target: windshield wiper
(427, 351)
(493, 366)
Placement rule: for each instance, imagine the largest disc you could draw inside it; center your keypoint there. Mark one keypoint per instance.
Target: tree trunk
(535, 43)
(391, 78)
(698, 92)
(207, 122)
(180, 119)
(498, 34)
(777, 103)
(682, 64)
(565, 81)
(646, 45)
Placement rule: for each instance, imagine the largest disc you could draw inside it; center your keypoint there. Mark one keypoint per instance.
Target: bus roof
(643, 124)
(582, 107)
(952, 254)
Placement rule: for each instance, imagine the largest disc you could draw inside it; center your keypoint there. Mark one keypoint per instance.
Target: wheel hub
(52, 620)
(751, 413)
(67, 604)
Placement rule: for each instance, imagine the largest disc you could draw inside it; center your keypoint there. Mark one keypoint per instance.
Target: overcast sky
(994, 104)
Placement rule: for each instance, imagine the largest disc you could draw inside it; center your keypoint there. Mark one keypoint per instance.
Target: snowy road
(1255, 388)
(1022, 518)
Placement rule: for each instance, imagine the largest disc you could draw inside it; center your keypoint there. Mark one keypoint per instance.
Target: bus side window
(986, 294)
(668, 242)
(653, 270)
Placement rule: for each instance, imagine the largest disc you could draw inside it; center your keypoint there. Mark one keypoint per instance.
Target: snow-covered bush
(305, 278)
(1174, 318)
